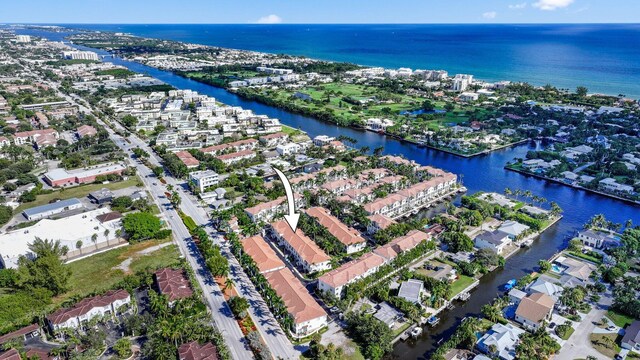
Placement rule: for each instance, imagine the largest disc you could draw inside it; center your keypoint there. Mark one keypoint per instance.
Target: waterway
(480, 173)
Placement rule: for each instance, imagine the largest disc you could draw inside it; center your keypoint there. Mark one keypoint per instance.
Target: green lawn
(567, 335)
(290, 131)
(606, 344)
(619, 319)
(77, 192)
(97, 273)
(460, 284)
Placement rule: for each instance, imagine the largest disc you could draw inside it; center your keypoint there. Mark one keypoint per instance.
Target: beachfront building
(107, 305)
(349, 237)
(335, 280)
(308, 316)
(305, 253)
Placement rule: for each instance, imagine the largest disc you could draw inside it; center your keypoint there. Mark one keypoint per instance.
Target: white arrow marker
(293, 217)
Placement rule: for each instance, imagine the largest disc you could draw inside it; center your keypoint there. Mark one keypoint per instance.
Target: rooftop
(263, 255)
(173, 283)
(195, 351)
(535, 307)
(352, 270)
(51, 207)
(301, 243)
(86, 305)
(344, 234)
(299, 302)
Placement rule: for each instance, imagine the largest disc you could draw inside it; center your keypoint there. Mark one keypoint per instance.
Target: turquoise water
(603, 57)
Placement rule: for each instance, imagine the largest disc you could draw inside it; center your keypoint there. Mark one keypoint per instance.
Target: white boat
(416, 331)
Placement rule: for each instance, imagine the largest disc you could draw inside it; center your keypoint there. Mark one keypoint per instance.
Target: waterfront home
(348, 236)
(387, 314)
(262, 254)
(631, 339)
(288, 149)
(402, 244)
(494, 240)
(513, 228)
(612, 185)
(378, 222)
(412, 290)
(573, 267)
(335, 280)
(598, 239)
(306, 254)
(534, 310)
(308, 316)
(516, 295)
(108, 305)
(194, 351)
(500, 341)
(543, 286)
(273, 140)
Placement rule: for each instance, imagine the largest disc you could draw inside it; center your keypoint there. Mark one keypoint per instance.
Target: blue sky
(320, 11)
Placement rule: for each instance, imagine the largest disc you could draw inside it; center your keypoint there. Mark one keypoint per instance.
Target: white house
(108, 304)
(288, 149)
(500, 341)
(534, 310)
(494, 240)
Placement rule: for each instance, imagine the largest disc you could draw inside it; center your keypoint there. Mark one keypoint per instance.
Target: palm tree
(106, 234)
(79, 246)
(228, 283)
(94, 238)
(41, 247)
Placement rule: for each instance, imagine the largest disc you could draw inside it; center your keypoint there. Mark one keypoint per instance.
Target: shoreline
(578, 187)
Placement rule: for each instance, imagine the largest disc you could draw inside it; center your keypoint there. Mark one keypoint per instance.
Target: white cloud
(518, 6)
(269, 19)
(489, 15)
(550, 5)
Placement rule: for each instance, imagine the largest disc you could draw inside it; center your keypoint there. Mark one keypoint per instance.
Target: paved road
(267, 325)
(220, 311)
(579, 346)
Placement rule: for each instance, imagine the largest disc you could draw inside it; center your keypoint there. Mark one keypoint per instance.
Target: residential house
(173, 283)
(306, 254)
(494, 240)
(108, 304)
(597, 239)
(335, 280)
(262, 254)
(534, 310)
(308, 316)
(631, 339)
(194, 351)
(412, 290)
(500, 341)
(349, 237)
(513, 228)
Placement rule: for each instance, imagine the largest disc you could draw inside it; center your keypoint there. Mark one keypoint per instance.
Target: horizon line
(345, 23)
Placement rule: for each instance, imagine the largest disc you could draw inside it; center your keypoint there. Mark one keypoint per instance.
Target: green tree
(544, 265)
(122, 347)
(45, 270)
(141, 226)
(239, 306)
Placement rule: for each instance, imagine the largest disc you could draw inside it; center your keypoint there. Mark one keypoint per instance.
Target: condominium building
(306, 254)
(204, 179)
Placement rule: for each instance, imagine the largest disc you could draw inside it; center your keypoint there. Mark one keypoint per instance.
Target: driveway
(579, 346)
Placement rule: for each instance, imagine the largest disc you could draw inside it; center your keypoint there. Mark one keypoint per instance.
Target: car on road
(155, 184)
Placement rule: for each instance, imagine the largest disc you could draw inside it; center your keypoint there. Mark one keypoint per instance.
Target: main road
(221, 313)
(269, 328)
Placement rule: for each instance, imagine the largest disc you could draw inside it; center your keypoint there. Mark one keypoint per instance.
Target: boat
(416, 331)
(510, 284)
(433, 321)
(464, 296)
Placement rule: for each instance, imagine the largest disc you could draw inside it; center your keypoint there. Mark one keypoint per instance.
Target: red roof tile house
(25, 137)
(235, 157)
(85, 310)
(12, 354)
(174, 284)
(402, 244)
(349, 237)
(188, 159)
(262, 254)
(86, 130)
(25, 333)
(307, 255)
(195, 351)
(335, 280)
(308, 316)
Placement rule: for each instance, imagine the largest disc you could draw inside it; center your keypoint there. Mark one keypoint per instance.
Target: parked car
(552, 325)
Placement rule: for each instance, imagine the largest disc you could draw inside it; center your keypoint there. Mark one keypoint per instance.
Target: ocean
(603, 57)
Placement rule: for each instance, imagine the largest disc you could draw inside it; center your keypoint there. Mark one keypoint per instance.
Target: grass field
(98, 272)
(568, 334)
(606, 344)
(78, 191)
(460, 284)
(619, 319)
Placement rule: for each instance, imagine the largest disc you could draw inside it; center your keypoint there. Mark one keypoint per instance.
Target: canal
(481, 173)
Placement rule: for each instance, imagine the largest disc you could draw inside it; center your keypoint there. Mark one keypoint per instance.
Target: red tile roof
(173, 283)
(296, 298)
(85, 305)
(195, 351)
(264, 256)
(12, 354)
(18, 333)
(344, 234)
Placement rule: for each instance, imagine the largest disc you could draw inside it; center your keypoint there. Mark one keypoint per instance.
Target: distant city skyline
(320, 12)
